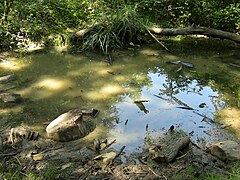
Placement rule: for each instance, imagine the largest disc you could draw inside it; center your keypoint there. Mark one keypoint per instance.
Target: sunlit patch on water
(105, 92)
(156, 116)
(13, 65)
(52, 84)
(46, 87)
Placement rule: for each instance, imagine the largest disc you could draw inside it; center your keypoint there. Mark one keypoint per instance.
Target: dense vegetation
(113, 23)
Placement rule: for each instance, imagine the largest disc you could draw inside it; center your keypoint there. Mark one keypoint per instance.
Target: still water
(53, 83)
(160, 113)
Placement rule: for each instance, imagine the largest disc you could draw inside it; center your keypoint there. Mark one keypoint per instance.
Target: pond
(53, 83)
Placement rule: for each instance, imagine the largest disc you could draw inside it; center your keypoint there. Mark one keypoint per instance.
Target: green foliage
(24, 21)
(16, 173)
(233, 175)
(223, 15)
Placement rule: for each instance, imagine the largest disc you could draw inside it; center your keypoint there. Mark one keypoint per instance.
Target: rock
(37, 157)
(225, 150)
(71, 125)
(10, 98)
(5, 79)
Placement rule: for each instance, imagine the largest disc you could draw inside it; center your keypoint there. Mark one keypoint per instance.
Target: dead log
(196, 30)
(166, 149)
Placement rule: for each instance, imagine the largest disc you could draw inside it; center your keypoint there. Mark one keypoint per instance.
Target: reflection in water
(142, 107)
(164, 112)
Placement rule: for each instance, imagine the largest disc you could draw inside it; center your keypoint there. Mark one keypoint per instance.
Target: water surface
(53, 83)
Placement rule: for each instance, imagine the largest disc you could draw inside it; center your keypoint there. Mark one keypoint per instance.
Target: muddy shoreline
(73, 162)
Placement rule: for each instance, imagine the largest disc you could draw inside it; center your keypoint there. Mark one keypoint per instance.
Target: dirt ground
(69, 161)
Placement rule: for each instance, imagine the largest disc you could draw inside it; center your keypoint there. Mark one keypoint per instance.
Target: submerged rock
(10, 98)
(71, 125)
(225, 150)
(5, 79)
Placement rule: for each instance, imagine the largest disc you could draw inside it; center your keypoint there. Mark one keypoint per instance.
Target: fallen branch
(204, 117)
(234, 65)
(196, 30)
(182, 103)
(168, 100)
(178, 146)
(157, 174)
(158, 40)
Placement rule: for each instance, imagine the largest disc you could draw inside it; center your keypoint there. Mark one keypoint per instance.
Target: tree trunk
(196, 30)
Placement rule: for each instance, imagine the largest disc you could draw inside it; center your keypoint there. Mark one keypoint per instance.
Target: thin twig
(17, 160)
(182, 156)
(204, 116)
(158, 41)
(225, 126)
(141, 101)
(196, 145)
(157, 174)
(119, 153)
(10, 154)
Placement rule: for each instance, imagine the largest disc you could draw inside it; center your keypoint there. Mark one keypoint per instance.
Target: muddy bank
(171, 156)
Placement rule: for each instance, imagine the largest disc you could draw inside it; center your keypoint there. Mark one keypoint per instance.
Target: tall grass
(114, 30)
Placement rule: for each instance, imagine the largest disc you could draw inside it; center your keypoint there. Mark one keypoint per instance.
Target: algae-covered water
(53, 83)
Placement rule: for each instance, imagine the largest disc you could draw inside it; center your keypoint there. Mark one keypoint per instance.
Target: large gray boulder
(71, 125)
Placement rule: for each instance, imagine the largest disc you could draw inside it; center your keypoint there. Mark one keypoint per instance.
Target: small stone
(37, 157)
(10, 98)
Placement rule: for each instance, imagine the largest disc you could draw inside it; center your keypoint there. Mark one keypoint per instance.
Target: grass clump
(113, 31)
